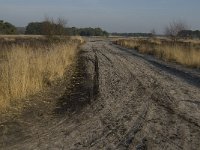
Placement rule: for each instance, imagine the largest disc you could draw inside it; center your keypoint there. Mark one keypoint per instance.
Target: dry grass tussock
(25, 70)
(185, 53)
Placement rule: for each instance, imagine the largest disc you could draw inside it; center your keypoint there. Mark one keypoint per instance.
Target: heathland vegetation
(29, 65)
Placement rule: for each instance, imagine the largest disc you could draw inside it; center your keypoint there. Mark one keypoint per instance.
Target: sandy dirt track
(122, 101)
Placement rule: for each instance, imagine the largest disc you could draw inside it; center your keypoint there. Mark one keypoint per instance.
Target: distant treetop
(189, 34)
(86, 31)
(7, 28)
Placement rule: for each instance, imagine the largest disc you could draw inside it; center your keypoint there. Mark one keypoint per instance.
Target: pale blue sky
(112, 15)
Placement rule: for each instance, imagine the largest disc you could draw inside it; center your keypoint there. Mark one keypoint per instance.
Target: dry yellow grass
(77, 38)
(190, 58)
(185, 55)
(25, 70)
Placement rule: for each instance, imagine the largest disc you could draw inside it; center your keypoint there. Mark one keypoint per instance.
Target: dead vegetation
(186, 53)
(27, 66)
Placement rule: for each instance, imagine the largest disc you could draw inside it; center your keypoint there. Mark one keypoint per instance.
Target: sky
(111, 15)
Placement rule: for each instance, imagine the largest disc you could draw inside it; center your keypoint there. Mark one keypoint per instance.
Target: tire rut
(158, 90)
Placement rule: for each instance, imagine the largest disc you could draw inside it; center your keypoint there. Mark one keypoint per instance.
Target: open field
(29, 64)
(116, 99)
(185, 52)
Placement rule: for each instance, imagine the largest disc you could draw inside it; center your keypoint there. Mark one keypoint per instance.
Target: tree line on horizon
(132, 34)
(49, 27)
(39, 28)
(57, 27)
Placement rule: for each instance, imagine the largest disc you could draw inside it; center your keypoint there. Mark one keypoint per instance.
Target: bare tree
(153, 33)
(174, 28)
(48, 26)
(53, 27)
(60, 26)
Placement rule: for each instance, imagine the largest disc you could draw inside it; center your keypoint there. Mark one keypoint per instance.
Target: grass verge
(184, 53)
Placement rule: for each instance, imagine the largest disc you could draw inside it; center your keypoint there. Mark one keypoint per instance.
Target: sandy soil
(119, 100)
